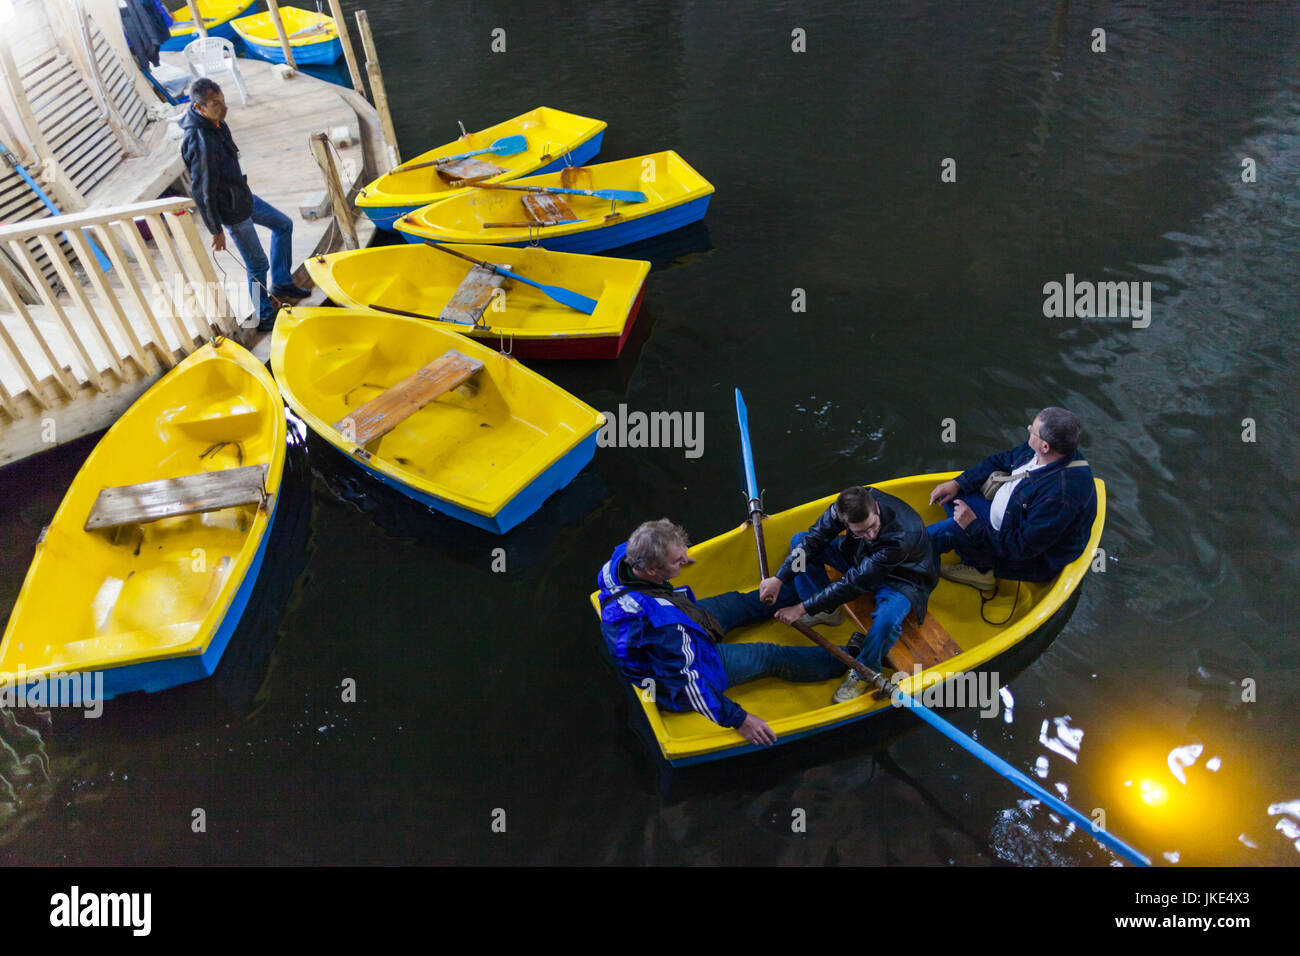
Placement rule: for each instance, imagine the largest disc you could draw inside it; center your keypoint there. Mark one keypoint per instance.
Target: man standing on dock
(224, 199)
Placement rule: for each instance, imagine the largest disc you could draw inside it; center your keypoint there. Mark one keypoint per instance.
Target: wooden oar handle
(882, 683)
(453, 252)
(527, 224)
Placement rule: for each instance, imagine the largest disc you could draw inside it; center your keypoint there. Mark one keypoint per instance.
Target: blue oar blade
(996, 763)
(747, 453)
(574, 300)
(509, 145)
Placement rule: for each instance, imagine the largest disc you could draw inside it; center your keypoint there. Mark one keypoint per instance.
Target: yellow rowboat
(145, 570)
(676, 195)
(458, 427)
(420, 280)
(954, 643)
(554, 138)
(313, 37)
(217, 16)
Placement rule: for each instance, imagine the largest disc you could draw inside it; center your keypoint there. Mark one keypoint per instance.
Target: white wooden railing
(93, 329)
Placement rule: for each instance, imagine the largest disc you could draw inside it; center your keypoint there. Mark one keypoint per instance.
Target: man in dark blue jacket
(878, 544)
(661, 637)
(1039, 517)
(224, 200)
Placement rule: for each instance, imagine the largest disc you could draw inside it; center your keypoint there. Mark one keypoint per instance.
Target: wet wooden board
(171, 497)
(928, 644)
(473, 296)
(545, 207)
(468, 169)
(385, 412)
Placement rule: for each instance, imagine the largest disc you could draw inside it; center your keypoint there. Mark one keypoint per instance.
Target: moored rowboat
(554, 139)
(729, 562)
(458, 427)
(676, 195)
(144, 572)
(218, 17)
(313, 37)
(421, 280)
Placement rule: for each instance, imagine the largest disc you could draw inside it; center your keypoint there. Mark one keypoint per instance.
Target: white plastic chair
(210, 55)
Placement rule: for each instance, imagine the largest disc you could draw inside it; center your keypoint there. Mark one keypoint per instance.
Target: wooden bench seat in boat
(172, 497)
(473, 296)
(547, 208)
(468, 170)
(386, 411)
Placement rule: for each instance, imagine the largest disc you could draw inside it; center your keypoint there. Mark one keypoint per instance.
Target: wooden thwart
(473, 296)
(385, 412)
(468, 169)
(928, 645)
(171, 497)
(546, 207)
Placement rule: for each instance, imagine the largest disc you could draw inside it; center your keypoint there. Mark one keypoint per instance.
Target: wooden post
(338, 198)
(377, 88)
(345, 38)
(197, 17)
(274, 7)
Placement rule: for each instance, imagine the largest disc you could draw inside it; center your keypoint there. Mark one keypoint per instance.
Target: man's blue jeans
(746, 662)
(250, 248)
(948, 535)
(892, 606)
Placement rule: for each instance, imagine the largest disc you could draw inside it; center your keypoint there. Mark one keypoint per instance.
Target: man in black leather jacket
(878, 544)
(224, 200)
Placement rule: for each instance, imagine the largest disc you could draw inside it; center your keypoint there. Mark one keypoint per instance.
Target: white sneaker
(965, 574)
(851, 687)
(833, 618)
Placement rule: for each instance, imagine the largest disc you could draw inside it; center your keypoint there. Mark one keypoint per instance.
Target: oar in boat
(505, 146)
(416, 315)
(897, 694)
(616, 195)
(529, 224)
(573, 300)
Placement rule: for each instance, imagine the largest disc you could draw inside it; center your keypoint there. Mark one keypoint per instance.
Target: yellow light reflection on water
(1153, 794)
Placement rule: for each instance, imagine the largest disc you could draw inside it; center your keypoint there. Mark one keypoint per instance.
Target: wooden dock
(78, 345)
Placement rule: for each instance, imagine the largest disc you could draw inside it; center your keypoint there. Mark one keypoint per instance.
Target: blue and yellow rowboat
(218, 17)
(146, 568)
(955, 641)
(554, 139)
(676, 195)
(456, 426)
(313, 37)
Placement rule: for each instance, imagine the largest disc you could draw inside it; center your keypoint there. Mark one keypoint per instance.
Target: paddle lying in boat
(218, 21)
(506, 146)
(422, 282)
(897, 695)
(573, 300)
(458, 427)
(614, 195)
(146, 568)
(554, 139)
(676, 196)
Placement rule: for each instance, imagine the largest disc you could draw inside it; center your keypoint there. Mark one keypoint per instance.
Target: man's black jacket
(901, 556)
(220, 187)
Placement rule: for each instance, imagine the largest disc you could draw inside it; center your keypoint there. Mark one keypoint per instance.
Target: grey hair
(648, 546)
(1060, 428)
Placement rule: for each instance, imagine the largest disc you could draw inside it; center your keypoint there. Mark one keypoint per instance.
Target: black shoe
(856, 643)
(290, 292)
(266, 325)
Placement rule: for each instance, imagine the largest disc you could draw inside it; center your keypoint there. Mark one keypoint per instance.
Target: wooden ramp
(173, 497)
(382, 414)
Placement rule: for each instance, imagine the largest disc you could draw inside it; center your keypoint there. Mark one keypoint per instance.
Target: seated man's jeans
(892, 606)
(948, 535)
(751, 661)
(250, 249)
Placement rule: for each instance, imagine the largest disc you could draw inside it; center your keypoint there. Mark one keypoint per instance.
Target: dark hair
(1060, 428)
(855, 504)
(202, 89)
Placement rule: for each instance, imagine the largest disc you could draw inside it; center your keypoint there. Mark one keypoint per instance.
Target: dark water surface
(480, 690)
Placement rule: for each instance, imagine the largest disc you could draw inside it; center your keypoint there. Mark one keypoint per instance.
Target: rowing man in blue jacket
(656, 631)
(1038, 514)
